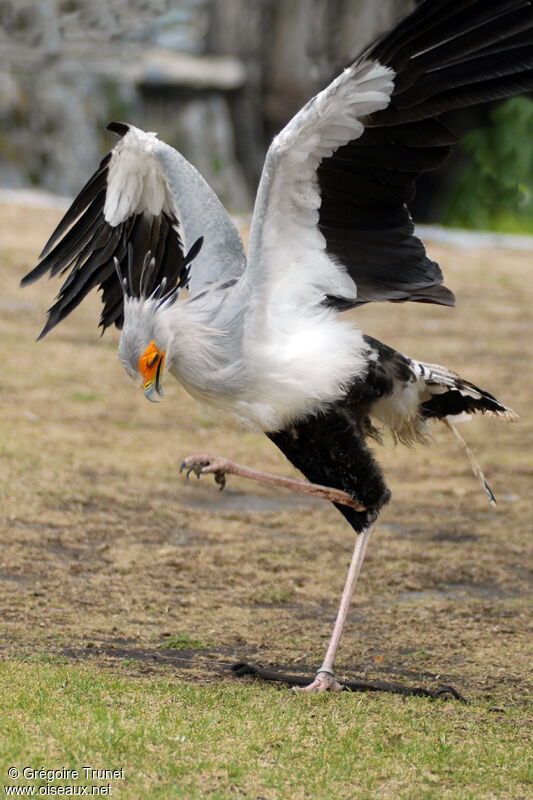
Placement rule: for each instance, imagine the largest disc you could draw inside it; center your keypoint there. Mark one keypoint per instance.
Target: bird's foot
(324, 682)
(205, 464)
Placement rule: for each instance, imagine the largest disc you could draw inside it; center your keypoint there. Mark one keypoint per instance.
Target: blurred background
(217, 79)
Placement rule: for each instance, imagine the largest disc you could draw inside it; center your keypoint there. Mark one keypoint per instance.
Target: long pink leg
(325, 676)
(205, 464)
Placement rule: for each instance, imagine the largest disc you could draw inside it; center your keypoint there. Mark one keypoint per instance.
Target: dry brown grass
(106, 549)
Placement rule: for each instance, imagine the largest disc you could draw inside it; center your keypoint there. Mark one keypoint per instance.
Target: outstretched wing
(143, 197)
(337, 179)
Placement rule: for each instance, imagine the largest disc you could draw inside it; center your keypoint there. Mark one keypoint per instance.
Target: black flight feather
(85, 245)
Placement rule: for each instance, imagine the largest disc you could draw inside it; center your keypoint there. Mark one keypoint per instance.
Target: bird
(260, 338)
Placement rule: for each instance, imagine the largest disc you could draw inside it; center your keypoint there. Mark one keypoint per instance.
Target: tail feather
(420, 392)
(449, 395)
(453, 399)
(476, 469)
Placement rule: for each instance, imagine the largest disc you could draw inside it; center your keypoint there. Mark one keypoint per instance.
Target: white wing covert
(287, 249)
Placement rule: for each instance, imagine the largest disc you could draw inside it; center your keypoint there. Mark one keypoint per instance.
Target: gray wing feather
(201, 213)
(287, 247)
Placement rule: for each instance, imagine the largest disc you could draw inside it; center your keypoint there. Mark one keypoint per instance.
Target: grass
(177, 740)
(273, 595)
(182, 641)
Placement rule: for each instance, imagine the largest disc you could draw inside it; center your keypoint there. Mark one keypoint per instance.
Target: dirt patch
(107, 550)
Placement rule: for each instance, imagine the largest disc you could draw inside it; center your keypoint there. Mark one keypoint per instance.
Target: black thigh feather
(330, 449)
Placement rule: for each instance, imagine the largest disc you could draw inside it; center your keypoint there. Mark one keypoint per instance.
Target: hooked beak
(151, 366)
(153, 386)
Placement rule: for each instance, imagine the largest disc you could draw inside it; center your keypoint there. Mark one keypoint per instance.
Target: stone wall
(216, 78)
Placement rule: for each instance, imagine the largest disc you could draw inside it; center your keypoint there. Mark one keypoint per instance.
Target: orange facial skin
(151, 365)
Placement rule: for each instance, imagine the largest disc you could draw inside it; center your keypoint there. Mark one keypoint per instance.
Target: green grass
(175, 740)
(182, 641)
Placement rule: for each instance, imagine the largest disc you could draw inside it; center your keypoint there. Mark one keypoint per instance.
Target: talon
(198, 467)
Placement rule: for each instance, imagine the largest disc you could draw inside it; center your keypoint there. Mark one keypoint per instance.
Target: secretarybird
(261, 340)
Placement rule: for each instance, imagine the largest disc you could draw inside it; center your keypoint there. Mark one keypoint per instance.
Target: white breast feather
(302, 363)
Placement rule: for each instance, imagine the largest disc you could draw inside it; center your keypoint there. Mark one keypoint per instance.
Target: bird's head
(146, 333)
(145, 336)
(143, 345)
